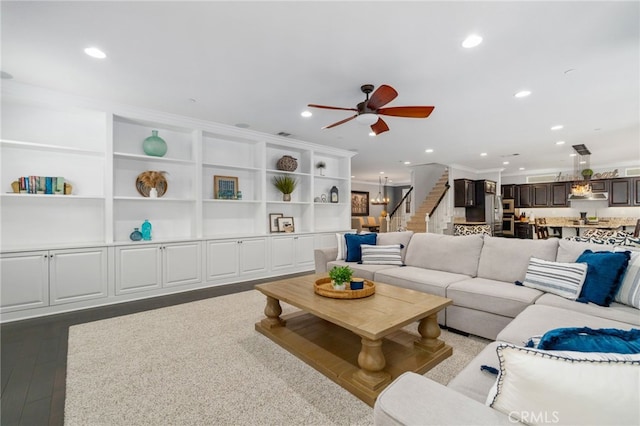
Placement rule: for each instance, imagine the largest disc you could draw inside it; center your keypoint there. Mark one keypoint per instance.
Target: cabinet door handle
(46, 256)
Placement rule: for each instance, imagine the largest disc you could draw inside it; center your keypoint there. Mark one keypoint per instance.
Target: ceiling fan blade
(340, 122)
(407, 111)
(331, 107)
(382, 96)
(379, 126)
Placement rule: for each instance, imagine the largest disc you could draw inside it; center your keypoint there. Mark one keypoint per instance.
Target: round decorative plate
(323, 287)
(143, 188)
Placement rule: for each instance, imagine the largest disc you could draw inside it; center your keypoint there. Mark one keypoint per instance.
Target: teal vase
(154, 145)
(146, 230)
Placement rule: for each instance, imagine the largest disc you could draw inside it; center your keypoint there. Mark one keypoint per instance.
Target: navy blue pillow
(585, 339)
(604, 275)
(354, 252)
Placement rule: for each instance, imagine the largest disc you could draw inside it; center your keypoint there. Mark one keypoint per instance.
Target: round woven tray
(323, 287)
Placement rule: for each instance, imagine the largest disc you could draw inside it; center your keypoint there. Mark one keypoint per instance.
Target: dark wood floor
(34, 355)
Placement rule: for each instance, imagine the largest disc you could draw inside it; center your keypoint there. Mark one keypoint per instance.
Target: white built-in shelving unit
(97, 148)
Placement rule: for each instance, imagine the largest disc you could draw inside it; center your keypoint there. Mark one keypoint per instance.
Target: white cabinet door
(253, 256)
(77, 275)
(282, 253)
(25, 280)
(182, 263)
(304, 246)
(138, 268)
(222, 259)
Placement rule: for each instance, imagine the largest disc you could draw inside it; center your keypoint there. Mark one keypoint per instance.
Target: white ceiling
(260, 63)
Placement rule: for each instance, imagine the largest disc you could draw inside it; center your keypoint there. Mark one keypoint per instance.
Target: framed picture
(225, 187)
(273, 222)
(359, 203)
(285, 224)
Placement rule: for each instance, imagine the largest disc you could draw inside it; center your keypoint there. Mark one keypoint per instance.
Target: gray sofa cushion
(474, 382)
(569, 251)
(426, 280)
(445, 253)
(498, 297)
(387, 238)
(413, 399)
(538, 319)
(616, 312)
(506, 259)
(361, 271)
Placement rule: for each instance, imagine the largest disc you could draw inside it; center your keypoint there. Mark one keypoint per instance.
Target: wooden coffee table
(357, 343)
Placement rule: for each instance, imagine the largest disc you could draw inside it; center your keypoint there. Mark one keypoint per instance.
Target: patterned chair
(608, 236)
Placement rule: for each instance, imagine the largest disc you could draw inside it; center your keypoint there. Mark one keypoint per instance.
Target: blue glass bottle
(136, 235)
(146, 230)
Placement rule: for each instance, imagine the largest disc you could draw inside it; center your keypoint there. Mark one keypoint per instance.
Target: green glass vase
(154, 145)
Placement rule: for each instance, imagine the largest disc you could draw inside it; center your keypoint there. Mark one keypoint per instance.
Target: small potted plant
(340, 276)
(286, 185)
(321, 165)
(587, 173)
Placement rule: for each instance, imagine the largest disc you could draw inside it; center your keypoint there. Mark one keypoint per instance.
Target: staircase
(417, 222)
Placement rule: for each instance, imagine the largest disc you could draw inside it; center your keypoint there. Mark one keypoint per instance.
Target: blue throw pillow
(604, 275)
(354, 241)
(585, 339)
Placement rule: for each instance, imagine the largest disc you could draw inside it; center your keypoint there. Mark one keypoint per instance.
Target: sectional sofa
(479, 274)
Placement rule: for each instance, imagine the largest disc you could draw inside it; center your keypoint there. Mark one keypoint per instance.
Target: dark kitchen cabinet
(508, 191)
(599, 185)
(635, 184)
(464, 193)
(523, 230)
(540, 195)
(489, 186)
(620, 193)
(523, 196)
(559, 194)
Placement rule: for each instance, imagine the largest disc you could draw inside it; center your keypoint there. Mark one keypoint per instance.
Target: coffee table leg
(272, 311)
(371, 361)
(429, 331)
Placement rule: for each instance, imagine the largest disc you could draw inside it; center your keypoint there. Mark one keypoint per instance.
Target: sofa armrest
(413, 399)
(322, 256)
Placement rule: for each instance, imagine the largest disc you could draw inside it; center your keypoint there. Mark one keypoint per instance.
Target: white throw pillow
(381, 255)
(576, 388)
(563, 279)
(629, 292)
(342, 245)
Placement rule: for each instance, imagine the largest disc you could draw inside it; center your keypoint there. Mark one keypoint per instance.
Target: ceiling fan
(369, 110)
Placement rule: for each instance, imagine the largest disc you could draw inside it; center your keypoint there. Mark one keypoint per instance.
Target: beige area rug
(202, 363)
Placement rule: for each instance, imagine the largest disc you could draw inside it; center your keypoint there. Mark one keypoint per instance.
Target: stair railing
(397, 224)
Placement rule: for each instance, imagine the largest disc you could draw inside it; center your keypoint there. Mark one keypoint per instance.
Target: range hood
(595, 196)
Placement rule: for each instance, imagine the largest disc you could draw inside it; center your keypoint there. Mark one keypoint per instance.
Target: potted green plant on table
(286, 185)
(340, 276)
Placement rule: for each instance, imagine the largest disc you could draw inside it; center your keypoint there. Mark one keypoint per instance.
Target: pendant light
(381, 200)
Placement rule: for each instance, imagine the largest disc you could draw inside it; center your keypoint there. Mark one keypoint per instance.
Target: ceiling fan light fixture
(367, 119)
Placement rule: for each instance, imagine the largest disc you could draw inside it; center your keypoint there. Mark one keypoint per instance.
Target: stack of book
(41, 185)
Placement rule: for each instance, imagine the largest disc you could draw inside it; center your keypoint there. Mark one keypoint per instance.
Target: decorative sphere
(154, 145)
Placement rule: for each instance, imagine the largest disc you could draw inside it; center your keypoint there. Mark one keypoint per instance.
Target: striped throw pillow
(381, 255)
(563, 279)
(629, 292)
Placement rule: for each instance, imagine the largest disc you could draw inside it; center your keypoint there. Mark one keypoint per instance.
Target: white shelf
(230, 167)
(331, 177)
(49, 148)
(151, 158)
(223, 201)
(153, 200)
(52, 196)
(275, 171)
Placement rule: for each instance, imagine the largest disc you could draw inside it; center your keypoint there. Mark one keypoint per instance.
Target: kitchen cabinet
(620, 192)
(485, 186)
(508, 191)
(540, 195)
(523, 196)
(523, 230)
(464, 191)
(559, 194)
(234, 258)
(601, 185)
(153, 266)
(292, 252)
(636, 191)
(52, 277)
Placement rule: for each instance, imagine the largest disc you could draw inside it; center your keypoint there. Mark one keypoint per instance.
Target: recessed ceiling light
(372, 134)
(521, 168)
(557, 127)
(381, 173)
(429, 151)
(560, 143)
(483, 154)
(407, 162)
(471, 41)
(352, 177)
(94, 52)
(192, 100)
(522, 94)
(572, 154)
(505, 162)
(306, 114)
